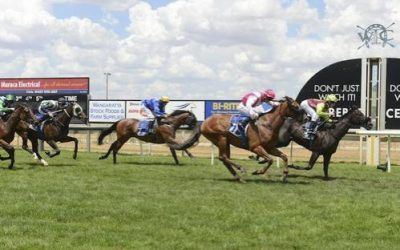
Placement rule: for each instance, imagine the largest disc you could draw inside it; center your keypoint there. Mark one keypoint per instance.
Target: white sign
(133, 108)
(106, 111)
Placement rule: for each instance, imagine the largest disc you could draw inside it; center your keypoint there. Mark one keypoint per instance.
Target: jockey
(318, 110)
(5, 104)
(153, 109)
(249, 102)
(48, 108)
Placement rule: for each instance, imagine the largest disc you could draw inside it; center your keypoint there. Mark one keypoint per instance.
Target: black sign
(33, 101)
(392, 110)
(342, 79)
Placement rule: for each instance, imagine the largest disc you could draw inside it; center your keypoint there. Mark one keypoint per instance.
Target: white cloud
(190, 49)
(106, 4)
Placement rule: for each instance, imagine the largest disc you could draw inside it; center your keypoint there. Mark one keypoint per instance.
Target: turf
(149, 203)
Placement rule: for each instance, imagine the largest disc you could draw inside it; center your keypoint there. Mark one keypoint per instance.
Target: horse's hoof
(47, 153)
(102, 158)
(238, 179)
(255, 173)
(35, 157)
(10, 167)
(44, 162)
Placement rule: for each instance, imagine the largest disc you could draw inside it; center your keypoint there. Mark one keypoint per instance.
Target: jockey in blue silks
(152, 109)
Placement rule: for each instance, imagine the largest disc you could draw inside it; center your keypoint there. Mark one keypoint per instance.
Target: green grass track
(149, 203)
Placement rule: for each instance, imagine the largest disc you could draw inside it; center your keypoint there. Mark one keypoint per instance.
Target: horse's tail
(106, 132)
(189, 142)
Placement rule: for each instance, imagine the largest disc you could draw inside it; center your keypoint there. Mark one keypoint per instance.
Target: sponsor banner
(221, 107)
(342, 79)
(106, 111)
(33, 101)
(392, 109)
(134, 110)
(40, 86)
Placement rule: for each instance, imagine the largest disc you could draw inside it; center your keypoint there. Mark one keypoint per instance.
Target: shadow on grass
(265, 181)
(15, 168)
(142, 163)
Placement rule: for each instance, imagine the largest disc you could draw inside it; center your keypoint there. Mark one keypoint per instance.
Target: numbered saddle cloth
(145, 127)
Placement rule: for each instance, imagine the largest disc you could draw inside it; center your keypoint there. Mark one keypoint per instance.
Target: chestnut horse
(8, 128)
(262, 136)
(164, 133)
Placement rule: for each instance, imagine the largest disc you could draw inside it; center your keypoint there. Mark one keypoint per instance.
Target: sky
(188, 49)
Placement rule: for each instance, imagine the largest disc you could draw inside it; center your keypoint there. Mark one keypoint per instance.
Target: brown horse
(262, 136)
(164, 133)
(54, 131)
(8, 128)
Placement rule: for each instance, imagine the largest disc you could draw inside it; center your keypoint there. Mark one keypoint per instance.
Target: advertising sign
(106, 111)
(342, 79)
(40, 86)
(392, 109)
(133, 108)
(33, 90)
(221, 107)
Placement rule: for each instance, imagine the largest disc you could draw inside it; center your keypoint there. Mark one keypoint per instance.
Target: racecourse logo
(375, 34)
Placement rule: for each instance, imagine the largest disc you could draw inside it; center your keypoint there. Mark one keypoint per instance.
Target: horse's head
(291, 108)
(24, 113)
(356, 117)
(78, 112)
(182, 117)
(73, 109)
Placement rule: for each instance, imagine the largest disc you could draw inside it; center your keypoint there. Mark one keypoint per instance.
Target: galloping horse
(54, 131)
(8, 128)
(326, 141)
(164, 133)
(262, 136)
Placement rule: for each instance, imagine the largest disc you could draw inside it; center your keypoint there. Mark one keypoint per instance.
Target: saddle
(239, 123)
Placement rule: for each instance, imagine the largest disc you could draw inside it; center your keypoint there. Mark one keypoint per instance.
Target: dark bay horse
(262, 136)
(164, 133)
(326, 141)
(55, 130)
(8, 129)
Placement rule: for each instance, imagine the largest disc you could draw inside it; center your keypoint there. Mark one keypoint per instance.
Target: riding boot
(309, 129)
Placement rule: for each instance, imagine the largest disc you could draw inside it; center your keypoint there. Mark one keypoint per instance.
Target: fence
(351, 148)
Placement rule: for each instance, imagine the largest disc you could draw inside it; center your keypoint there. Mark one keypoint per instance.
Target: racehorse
(262, 136)
(55, 130)
(164, 133)
(8, 129)
(326, 141)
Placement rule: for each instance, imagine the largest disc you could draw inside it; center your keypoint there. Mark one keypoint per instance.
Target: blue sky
(188, 50)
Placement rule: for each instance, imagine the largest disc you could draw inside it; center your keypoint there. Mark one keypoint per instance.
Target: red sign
(44, 85)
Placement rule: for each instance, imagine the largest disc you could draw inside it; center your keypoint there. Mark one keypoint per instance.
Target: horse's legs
(260, 152)
(278, 153)
(53, 144)
(10, 150)
(108, 152)
(117, 145)
(188, 153)
(311, 162)
(224, 154)
(173, 152)
(69, 139)
(327, 160)
(25, 146)
(35, 149)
